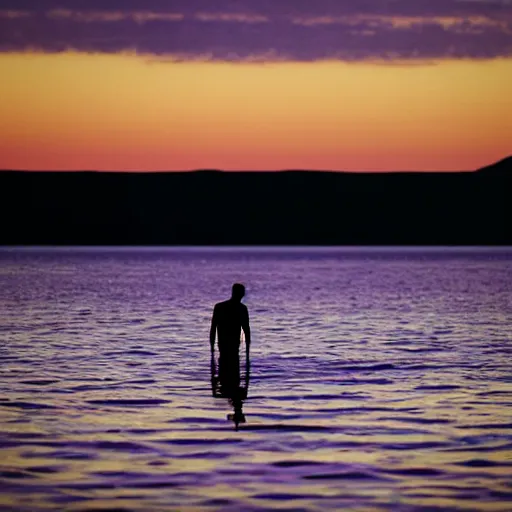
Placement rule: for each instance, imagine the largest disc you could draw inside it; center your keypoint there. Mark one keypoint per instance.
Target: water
(380, 380)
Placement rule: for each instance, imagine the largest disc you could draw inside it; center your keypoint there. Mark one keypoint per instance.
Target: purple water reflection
(380, 380)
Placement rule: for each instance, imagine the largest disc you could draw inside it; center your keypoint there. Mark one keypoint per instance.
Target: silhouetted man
(229, 318)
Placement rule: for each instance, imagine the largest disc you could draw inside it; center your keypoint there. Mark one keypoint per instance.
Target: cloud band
(263, 30)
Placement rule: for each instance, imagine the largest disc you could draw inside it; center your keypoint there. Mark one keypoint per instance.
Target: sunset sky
(255, 84)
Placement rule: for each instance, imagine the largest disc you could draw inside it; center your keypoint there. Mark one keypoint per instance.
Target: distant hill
(257, 208)
(502, 167)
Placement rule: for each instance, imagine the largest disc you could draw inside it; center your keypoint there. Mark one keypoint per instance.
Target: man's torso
(229, 316)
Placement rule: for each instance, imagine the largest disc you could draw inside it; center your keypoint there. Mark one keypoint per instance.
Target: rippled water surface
(380, 380)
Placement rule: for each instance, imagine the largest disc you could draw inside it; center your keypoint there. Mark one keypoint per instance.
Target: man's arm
(213, 330)
(247, 332)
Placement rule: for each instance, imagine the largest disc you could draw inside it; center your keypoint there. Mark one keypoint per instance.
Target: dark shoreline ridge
(257, 208)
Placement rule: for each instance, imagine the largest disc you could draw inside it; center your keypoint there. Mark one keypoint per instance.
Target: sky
(145, 85)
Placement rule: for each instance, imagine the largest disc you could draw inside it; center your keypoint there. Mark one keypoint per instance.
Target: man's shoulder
(229, 304)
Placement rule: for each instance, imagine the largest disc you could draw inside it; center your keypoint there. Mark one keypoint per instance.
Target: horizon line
(239, 171)
(256, 247)
(214, 170)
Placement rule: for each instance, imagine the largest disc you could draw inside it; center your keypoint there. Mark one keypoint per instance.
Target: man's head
(238, 291)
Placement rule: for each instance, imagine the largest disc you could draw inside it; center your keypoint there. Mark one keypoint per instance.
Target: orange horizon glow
(74, 111)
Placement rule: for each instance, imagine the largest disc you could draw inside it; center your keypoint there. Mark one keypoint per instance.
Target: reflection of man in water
(229, 318)
(232, 387)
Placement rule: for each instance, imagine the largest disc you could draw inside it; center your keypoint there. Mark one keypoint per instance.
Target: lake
(380, 379)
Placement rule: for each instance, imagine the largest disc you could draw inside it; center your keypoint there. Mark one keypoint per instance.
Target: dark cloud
(276, 8)
(262, 30)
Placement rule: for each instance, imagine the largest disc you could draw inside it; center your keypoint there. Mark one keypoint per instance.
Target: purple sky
(262, 30)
